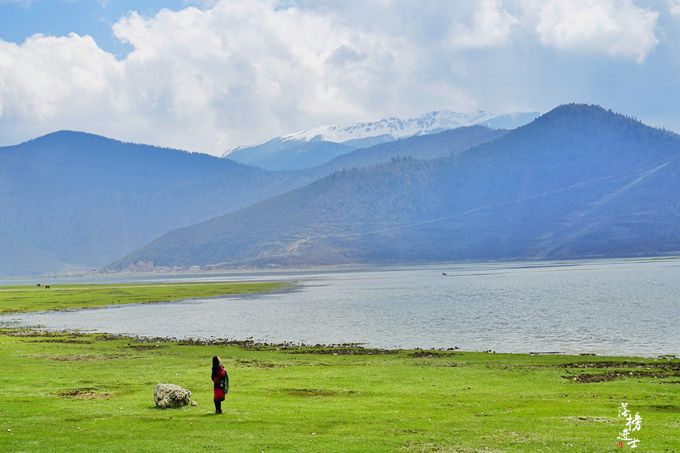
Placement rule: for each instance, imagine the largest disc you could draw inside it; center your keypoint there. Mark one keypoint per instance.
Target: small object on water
(444, 274)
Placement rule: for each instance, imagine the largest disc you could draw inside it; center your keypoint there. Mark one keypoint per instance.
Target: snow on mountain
(318, 145)
(394, 128)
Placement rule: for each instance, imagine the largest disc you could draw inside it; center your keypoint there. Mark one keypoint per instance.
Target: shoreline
(111, 278)
(340, 348)
(39, 298)
(284, 288)
(287, 339)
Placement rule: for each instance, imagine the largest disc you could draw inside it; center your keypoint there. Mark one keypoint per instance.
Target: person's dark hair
(216, 366)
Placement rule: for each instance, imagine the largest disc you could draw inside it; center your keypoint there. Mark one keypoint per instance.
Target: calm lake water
(605, 307)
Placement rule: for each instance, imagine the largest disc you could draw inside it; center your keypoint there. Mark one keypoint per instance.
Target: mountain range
(579, 181)
(77, 201)
(316, 146)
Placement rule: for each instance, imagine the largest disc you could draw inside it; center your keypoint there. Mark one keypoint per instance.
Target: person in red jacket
(221, 383)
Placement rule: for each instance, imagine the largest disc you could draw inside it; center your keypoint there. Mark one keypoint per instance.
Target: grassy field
(73, 392)
(61, 297)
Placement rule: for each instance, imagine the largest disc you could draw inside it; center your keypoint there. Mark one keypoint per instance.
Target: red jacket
(221, 384)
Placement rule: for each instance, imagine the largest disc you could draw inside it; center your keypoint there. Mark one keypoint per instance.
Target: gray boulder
(171, 395)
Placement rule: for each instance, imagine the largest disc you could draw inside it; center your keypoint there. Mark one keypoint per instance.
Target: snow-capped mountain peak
(393, 127)
(318, 145)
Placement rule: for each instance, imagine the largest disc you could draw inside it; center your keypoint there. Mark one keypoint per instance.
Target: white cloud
(611, 27)
(206, 79)
(239, 71)
(490, 26)
(674, 7)
(243, 70)
(47, 78)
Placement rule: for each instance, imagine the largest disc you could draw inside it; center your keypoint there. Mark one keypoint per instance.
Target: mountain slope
(579, 181)
(72, 199)
(423, 147)
(319, 145)
(281, 154)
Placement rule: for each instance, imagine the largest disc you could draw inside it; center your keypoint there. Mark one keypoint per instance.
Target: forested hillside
(580, 181)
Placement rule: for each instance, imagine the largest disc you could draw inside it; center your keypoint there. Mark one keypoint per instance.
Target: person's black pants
(218, 406)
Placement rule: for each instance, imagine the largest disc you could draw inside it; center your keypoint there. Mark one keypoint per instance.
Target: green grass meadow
(62, 297)
(74, 392)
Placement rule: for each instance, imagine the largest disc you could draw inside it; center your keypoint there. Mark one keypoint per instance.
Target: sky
(210, 75)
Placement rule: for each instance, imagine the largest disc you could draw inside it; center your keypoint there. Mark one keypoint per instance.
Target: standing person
(221, 381)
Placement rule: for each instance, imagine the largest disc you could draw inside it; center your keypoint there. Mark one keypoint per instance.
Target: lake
(617, 307)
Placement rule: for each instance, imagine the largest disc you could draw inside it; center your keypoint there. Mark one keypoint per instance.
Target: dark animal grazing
(47, 286)
(38, 285)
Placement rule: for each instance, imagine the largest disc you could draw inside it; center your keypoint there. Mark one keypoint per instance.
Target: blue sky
(210, 75)
(20, 19)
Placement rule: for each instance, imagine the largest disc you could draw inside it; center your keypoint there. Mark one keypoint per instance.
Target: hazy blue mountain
(579, 181)
(282, 154)
(314, 147)
(71, 199)
(430, 146)
(423, 147)
(367, 142)
(510, 120)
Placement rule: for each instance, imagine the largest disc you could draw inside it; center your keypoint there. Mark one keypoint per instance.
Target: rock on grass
(171, 395)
